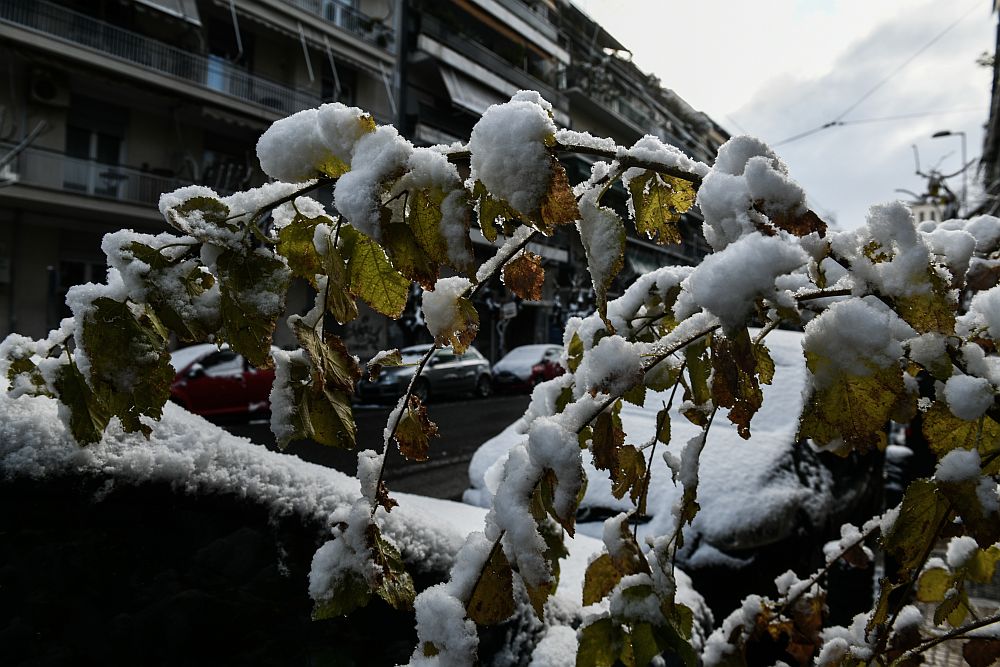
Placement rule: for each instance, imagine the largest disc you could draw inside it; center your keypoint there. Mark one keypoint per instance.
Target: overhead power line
(838, 120)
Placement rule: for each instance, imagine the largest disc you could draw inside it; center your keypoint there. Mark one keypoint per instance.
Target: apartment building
(108, 103)
(104, 104)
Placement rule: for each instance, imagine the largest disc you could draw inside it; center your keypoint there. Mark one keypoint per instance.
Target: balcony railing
(56, 171)
(481, 55)
(350, 19)
(210, 73)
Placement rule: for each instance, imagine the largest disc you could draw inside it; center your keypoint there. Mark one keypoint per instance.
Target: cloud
(780, 67)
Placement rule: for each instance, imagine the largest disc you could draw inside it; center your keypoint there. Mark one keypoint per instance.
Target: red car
(524, 367)
(212, 381)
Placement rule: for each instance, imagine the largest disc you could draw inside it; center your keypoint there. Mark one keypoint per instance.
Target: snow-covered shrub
(879, 304)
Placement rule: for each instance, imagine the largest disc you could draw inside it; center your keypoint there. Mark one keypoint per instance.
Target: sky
(778, 68)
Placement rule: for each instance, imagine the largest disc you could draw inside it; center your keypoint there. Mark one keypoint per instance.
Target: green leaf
(608, 438)
(253, 291)
(371, 276)
(555, 548)
(600, 644)
(851, 408)
(629, 473)
(636, 395)
(663, 426)
(415, 431)
(602, 233)
(130, 367)
(699, 370)
(395, 583)
(346, 595)
(982, 566)
(492, 598)
(946, 432)
(575, 352)
(408, 257)
(423, 218)
(601, 577)
(295, 244)
(921, 516)
(659, 201)
(332, 366)
(173, 285)
(339, 301)
(933, 584)
(321, 413)
(393, 358)
(493, 212)
(201, 209)
(89, 413)
(931, 311)
(33, 377)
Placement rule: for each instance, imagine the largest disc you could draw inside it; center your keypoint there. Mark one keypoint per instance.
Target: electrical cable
(838, 120)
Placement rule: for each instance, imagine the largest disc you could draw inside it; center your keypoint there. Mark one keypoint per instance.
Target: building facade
(108, 103)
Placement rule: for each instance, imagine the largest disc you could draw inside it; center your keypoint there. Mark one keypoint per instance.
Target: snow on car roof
(183, 357)
(743, 483)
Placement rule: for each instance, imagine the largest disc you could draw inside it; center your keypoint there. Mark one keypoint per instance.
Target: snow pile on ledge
(197, 457)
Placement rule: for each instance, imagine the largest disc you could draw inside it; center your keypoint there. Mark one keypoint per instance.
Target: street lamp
(949, 133)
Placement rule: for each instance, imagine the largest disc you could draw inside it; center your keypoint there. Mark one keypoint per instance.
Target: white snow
(556, 649)
(960, 551)
(958, 465)
(968, 397)
(509, 154)
(440, 306)
(727, 282)
(745, 490)
(378, 156)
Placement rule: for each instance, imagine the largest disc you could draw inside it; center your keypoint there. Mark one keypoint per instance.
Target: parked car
(445, 373)
(525, 366)
(214, 381)
(767, 504)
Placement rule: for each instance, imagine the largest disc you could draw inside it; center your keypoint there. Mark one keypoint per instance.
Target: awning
(469, 93)
(186, 10)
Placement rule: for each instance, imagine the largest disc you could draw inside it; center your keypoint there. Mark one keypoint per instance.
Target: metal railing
(56, 171)
(208, 72)
(350, 19)
(481, 55)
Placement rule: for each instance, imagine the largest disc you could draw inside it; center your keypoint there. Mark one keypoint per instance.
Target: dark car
(213, 381)
(525, 366)
(445, 373)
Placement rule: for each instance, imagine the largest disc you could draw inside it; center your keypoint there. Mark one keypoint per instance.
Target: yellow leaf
(524, 276)
(408, 257)
(493, 212)
(371, 276)
(492, 598)
(933, 584)
(463, 328)
(659, 201)
(851, 408)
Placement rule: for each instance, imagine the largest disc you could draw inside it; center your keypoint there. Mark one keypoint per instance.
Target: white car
(764, 501)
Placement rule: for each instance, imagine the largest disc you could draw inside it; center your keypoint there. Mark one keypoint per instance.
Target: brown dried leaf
(524, 276)
(559, 206)
(415, 431)
(981, 652)
(796, 221)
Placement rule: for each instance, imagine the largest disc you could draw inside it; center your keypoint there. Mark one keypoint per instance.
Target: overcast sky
(777, 68)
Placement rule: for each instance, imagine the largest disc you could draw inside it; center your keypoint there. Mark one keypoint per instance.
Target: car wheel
(484, 386)
(421, 390)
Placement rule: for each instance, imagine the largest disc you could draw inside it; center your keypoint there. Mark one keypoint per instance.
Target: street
(463, 425)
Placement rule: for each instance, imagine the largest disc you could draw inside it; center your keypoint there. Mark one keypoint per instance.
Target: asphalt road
(463, 425)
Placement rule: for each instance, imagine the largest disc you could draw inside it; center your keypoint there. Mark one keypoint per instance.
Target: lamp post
(949, 133)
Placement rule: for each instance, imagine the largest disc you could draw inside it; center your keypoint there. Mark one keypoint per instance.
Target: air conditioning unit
(49, 89)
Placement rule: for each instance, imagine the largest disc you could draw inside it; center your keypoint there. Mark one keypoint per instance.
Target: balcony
(351, 20)
(479, 54)
(53, 170)
(123, 45)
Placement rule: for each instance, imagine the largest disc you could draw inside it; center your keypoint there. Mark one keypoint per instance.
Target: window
(224, 363)
(95, 155)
